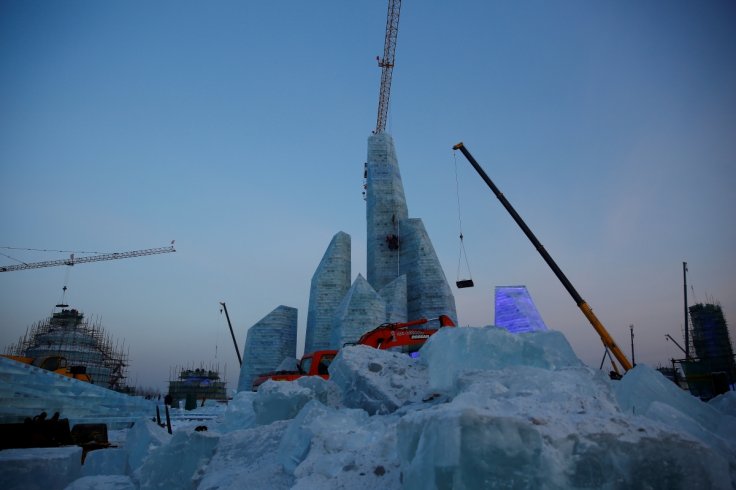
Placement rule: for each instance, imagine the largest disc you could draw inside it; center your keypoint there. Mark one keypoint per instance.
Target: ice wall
(361, 310)
(394, 294)
(330, 282)
(385, 209)
(515, 310)
(428, 293)
(26, 391)
(268, 342)
(480, 408)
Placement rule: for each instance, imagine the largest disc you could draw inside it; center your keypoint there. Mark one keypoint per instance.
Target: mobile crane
(606, 338)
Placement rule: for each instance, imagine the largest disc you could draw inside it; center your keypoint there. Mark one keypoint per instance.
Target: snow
(725, 403)
(377, 381)
(479, 408)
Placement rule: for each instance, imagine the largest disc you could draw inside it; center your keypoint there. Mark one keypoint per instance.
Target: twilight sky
(239, 129)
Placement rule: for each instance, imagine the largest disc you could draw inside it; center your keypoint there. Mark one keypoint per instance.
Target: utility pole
(687, 329)
(633, 358)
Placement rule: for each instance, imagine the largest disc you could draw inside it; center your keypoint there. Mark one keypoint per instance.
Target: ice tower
(404, 278)
(268, 342)
(385, 210)
(398, 245)
(330, 283)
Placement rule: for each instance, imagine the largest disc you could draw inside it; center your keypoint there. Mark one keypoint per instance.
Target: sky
(239, 129)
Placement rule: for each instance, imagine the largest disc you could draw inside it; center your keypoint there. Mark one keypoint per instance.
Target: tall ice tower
(385, 210)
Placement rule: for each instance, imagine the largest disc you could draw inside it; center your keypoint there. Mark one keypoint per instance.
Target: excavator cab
(51, 363)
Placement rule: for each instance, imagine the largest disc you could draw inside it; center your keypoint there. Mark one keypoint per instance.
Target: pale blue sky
(239, 129)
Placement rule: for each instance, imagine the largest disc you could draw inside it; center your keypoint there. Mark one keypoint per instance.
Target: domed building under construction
(70, 335)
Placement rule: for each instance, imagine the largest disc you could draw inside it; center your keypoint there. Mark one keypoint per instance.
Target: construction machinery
(398, 337)
(93, 258)
(606, 338)
(55, 364)
(387, 63)
(232, 333)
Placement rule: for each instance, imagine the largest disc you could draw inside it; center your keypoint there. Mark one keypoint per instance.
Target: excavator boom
(389, 336)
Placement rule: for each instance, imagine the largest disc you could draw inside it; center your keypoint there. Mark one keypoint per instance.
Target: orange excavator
(55, 364)
(400, 337)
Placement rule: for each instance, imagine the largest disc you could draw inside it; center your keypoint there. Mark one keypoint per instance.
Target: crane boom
(606, 338)
(387, 62)
(94, 258)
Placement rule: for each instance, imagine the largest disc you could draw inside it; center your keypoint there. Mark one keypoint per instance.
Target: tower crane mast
(387, 62)
(94, 258)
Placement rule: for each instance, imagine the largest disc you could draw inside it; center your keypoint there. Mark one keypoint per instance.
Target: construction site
(194, 386)
(82, 343)
(712, 370)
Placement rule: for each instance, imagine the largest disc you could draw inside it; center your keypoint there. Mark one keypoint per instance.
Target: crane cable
(463, 253)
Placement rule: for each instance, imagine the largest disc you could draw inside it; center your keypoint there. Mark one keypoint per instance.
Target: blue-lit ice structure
(515, 310)
(268, 342)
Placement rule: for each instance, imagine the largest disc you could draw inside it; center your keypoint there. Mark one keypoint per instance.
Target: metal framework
(387, 62)
(94, 258)
(82, 343)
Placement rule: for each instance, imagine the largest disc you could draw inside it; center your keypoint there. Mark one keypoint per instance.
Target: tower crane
(387, 63)
(94, 258)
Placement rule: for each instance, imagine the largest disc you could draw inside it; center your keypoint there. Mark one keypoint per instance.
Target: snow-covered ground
(480, 408)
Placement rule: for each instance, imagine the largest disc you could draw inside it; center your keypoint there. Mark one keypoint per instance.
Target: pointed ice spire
(385, 209)
(394, 294)
(428, 293)
(268, 342)
(515, 310)
(330, 282)
(362, 309)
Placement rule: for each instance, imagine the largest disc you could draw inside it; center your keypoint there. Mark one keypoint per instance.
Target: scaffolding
(70, 335)
(713, 371)
(194, 385)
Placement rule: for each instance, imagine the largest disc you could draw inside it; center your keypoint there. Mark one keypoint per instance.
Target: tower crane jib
(94, 258)
(387, 63)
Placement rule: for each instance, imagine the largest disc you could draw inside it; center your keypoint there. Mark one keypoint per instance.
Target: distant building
(712, 342)
(194, 386)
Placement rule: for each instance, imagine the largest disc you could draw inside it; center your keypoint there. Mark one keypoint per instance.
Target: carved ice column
(330, 282)
(268, 342)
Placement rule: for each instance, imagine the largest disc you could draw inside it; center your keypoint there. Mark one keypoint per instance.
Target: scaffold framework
(82, 343)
